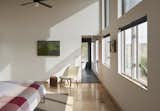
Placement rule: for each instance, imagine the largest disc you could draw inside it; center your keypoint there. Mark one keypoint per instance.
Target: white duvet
(10, 89)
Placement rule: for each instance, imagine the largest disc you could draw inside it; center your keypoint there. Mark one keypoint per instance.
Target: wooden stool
(53, 81)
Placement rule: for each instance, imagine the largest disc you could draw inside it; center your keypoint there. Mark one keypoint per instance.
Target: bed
(20, 96)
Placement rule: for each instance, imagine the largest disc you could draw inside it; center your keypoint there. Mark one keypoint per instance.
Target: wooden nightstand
(53, 81)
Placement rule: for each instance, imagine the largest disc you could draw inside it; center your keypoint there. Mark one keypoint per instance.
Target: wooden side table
(53, 81)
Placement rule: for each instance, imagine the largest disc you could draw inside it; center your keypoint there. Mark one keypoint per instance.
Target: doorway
(88, 76)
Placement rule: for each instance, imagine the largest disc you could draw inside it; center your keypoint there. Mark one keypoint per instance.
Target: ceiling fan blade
(49, 6)
(27, 3)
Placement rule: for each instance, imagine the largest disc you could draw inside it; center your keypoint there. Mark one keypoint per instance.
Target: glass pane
(103, 14)
(142, 53)
(134, 52)
(107, 51)
(97, 54)
(129, 4)
(119, 53)
(103, 51)
(128, 39)
(92, 52)
(85, 52)
(119, 8)
(107, 13)
(97, 50)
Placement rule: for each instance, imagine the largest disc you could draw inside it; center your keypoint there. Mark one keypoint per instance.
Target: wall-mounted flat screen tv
(48, 48)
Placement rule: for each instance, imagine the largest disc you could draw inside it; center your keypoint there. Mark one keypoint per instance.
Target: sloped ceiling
(11, 11)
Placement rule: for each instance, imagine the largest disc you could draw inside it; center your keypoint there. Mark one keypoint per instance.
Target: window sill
(134, 81)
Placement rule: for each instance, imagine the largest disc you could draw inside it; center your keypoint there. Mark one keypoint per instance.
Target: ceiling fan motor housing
(36, 0)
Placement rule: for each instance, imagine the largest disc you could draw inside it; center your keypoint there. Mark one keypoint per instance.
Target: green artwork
(48, 48)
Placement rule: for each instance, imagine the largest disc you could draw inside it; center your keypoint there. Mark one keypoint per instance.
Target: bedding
(20, 96)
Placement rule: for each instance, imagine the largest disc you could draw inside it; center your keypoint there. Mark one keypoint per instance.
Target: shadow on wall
(70, 59)
(74, 58)
(21, 30)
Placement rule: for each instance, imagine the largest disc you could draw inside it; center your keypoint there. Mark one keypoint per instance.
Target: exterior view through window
(92, 52)
(84, 52)
(133, 54)
(97, 54)
(105, 13)
(125, 5)
(129, 4)
(106, 51)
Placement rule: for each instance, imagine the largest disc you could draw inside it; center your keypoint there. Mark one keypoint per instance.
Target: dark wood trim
(89, 55)
(86, 39)
(107, 35)
(134, 23)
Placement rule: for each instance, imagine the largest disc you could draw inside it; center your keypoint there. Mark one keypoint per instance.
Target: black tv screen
(48, 48)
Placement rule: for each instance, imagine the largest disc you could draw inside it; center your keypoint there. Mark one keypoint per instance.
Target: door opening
(88, 76)
(86, 53)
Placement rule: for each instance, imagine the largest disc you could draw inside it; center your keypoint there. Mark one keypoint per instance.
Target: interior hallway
(88, 76)
(85, 97)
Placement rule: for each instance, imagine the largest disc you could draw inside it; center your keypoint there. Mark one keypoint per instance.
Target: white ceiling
(11, 10)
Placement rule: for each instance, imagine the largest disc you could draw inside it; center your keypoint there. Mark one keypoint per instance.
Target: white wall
(21, 27)
(130, 96)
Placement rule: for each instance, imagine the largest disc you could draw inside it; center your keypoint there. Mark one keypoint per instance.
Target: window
(92, 52)
(97, 54)
(105, 13)
(142, 55)
(106, 51)
(132, 52)
(129, 4)
(127, 43)
(84, 51)
(119, 8)
(126, 5)
(97, 50)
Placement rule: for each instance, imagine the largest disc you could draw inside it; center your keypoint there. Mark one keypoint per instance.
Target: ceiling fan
(37, 3)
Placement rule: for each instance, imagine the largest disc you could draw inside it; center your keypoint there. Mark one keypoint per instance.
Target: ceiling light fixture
(37, 3)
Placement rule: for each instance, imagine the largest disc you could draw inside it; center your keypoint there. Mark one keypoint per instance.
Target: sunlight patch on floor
(69, 106)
